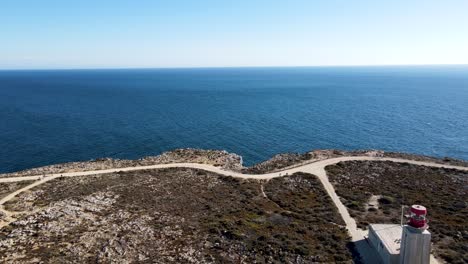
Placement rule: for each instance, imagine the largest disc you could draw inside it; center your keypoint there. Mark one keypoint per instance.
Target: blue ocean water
(49, 117)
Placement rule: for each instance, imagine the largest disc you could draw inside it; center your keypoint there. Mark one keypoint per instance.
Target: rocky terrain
(183, 215)
(7, 188)
(175, 216)
(444, 160)
(224, 159)
(374, 191)
(288, 160)
(213, 157)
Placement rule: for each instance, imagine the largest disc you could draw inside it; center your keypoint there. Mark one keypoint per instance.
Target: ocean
(56, 116)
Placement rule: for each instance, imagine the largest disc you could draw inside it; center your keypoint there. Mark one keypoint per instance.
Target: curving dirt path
(316, 168)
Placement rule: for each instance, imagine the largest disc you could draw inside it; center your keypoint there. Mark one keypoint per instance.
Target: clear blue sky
(211, 33)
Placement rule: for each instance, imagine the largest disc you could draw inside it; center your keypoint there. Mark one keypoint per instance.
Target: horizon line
(234, 67)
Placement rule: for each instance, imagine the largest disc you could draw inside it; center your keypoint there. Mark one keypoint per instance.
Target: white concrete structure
(386, 239)
(416, 240)
(408, 244)
(415, 245)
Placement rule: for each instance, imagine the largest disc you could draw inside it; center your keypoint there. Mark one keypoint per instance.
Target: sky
(60, 34)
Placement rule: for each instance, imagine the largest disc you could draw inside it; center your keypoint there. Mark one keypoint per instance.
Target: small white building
(386, 240)
(404, 244)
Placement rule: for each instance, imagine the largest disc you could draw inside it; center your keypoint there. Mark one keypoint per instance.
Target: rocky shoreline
(135, 216)
(287, 160)
(219, 158)
(225, 160)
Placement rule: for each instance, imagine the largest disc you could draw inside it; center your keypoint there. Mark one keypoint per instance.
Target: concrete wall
(382, 251)
(415, 246)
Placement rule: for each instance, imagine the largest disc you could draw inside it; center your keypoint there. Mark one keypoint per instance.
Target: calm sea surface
(49, 117)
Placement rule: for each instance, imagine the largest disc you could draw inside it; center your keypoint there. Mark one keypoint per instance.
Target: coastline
(317, 168)
(226, 161)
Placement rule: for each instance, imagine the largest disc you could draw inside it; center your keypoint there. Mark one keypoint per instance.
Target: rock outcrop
(219, 158)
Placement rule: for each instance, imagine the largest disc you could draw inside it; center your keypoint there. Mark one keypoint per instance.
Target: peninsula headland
(204, 206)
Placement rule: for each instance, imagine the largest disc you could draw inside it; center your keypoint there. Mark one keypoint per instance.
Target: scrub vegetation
(9, 187)
(175, 216)
(443, 191)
